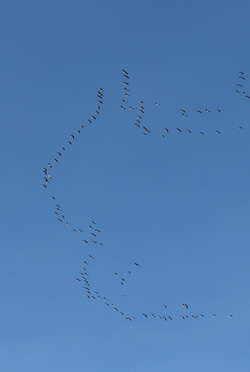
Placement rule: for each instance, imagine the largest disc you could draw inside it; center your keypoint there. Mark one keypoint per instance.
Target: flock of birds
(84, 277)
(139, 121)
(91, 231)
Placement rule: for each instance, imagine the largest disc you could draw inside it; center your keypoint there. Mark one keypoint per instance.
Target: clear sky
(178, 206)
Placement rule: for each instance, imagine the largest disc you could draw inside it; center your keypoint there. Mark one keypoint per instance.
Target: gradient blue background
(179, 207)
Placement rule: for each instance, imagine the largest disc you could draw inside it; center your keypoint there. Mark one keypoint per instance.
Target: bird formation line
(140, 116)
(199, 111)
(188, 131)
(240, 89)
(60, 153)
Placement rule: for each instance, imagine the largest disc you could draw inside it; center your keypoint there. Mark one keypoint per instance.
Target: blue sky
(178, 206)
